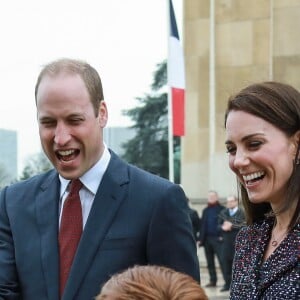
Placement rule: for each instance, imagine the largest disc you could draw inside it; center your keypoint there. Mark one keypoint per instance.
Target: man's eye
(75, 121)
(47, 123)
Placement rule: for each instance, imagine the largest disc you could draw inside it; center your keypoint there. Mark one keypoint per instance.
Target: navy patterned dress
(277, 278)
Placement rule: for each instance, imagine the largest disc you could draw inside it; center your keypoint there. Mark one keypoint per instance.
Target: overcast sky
(122, 39)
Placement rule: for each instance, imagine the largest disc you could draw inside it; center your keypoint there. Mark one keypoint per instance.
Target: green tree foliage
(36, 164)
(149, 148)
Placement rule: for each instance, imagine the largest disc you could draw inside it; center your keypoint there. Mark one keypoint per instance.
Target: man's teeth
(253, 176)
(66, 152)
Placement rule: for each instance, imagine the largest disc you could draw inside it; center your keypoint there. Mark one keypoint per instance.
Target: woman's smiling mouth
(253, 177)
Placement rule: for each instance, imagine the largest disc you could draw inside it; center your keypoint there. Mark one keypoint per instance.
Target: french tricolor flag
(176, 76)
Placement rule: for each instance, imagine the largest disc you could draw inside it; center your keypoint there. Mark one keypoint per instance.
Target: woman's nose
(241, 159)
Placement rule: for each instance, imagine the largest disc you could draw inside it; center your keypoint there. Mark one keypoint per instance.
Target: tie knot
(75, 186)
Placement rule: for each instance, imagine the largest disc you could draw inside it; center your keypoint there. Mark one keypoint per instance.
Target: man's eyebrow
(43, 118)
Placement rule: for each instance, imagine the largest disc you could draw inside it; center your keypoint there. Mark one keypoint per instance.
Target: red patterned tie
(70, 231)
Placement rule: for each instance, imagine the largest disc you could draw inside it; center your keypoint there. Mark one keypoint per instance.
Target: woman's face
(261, 156)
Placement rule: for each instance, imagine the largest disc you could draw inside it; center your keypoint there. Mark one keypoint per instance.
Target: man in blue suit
(129, 217)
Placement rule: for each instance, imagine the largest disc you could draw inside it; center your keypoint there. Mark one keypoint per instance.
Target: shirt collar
(234, 210)
(92, 178)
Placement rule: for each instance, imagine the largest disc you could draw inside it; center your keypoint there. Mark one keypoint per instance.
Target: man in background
(210, 236)
(230, 219)
(195, 219)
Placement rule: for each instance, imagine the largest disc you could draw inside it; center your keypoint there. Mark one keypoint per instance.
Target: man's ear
(103, 114)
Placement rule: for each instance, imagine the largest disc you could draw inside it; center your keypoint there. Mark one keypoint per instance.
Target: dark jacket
(228, 237)
(278, 277)
(195, 222)
(209, 222)
(136, 219)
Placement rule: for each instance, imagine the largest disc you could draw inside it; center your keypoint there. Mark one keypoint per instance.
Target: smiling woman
(262, 138)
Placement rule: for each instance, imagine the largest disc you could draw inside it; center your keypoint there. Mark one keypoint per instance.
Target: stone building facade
(229, 44)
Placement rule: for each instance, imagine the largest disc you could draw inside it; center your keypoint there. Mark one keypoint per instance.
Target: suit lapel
(111, 192)
(47, 219)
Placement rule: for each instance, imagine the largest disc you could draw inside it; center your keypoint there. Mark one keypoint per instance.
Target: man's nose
(62, 135)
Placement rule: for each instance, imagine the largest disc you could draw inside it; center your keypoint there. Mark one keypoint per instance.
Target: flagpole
(170, 110)
(212, 100)
(170, 139)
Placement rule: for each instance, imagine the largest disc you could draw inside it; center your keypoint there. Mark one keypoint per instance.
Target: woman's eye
(231, 149)
(254, 144)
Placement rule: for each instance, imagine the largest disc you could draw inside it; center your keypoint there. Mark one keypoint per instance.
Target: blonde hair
(151, 283)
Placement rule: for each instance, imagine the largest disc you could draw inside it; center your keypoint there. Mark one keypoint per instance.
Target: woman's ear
(296, 141)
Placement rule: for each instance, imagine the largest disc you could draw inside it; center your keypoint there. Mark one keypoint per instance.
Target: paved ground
(212, 293)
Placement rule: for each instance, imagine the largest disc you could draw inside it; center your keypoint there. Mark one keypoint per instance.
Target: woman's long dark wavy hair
(278, 104)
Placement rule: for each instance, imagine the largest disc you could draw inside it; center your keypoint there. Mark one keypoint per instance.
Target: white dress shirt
(91, 181)
(232, 211)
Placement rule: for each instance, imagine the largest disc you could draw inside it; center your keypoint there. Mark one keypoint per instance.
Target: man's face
(212, 197)
(231, 202)
(70, 133)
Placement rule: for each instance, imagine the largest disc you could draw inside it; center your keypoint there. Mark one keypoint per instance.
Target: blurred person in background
(195, 219)
(210, 236)
(230, 221)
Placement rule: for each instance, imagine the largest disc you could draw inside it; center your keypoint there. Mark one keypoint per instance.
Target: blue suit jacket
(136, 218)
